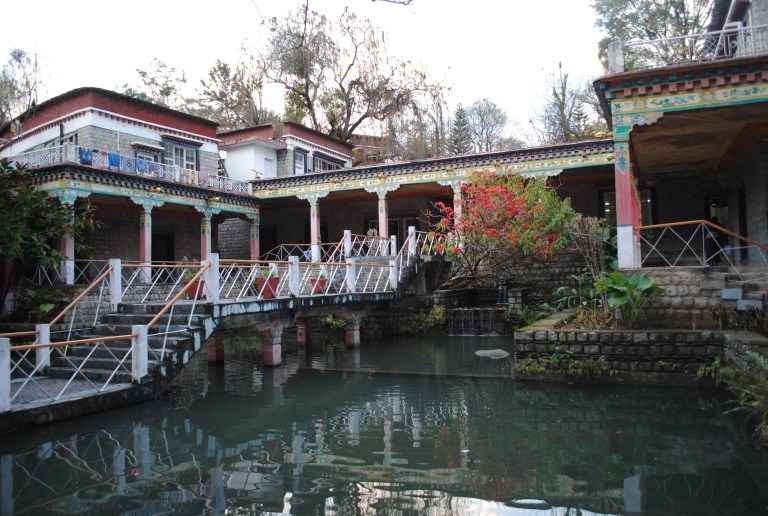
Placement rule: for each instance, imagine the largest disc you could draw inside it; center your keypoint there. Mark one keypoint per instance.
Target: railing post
(347, 243)
(212, 279)
(43, 355)
(393, 274)
(393, 245)
(115, 282)
(294, 275)
(616, 56)
(140, 352)
(5, 375)
(411, 241)
(351, 274)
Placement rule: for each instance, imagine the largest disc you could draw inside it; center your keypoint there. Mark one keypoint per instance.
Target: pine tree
(461, 134)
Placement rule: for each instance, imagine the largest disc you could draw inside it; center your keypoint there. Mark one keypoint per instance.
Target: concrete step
(100, 363)
(135, 318)
(182, 307)
(95, 375)
(125, 329)
(119, 348)
(745, 305)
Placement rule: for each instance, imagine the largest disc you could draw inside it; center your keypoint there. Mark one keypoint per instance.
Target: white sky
(500, 49)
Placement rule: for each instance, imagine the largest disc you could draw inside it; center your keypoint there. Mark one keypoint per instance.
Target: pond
(315, 437)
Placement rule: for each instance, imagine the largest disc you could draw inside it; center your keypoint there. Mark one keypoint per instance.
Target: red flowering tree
(502, 216)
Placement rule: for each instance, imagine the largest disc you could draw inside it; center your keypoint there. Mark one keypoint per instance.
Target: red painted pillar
(272, 350)
(627, 208)
(302, 332)
(205, 237)
(145, 242)
(254, 238)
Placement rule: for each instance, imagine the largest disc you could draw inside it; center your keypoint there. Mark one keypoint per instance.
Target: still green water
(307, 438)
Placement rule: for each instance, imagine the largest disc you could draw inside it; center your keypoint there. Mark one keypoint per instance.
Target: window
(325, 165)
(608, 206)
(299, 162)
(148, 156)
(269, 167)
(183, 157)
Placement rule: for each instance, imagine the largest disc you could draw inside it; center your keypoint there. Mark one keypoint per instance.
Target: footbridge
(134, 325)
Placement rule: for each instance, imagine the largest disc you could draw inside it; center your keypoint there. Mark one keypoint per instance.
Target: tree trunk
(7, 268)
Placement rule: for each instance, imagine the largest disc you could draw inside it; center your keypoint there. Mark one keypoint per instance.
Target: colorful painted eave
(82, 181)
(538, 161)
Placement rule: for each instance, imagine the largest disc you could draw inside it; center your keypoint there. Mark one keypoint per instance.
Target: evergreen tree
(461, 133)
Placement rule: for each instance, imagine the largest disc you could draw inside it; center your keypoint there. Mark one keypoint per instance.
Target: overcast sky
(500, 49)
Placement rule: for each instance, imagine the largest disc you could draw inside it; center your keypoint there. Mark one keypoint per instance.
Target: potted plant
(192, 287)
(267, 284)
(318, 284)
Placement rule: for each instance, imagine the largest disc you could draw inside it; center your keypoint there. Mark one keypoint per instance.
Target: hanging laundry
(114, 160)
(86, 156)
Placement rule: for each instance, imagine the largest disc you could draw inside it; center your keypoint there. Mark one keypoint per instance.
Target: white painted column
(411, 241)
(314, 222)
(294, 275)
(212, 279)
(383, 215)
(393, 245)
(347, 243)
(5, 375)
(140, 352)
(457, 198)
(115, 283)
(43, 355)
(351, 278)
(393, 274)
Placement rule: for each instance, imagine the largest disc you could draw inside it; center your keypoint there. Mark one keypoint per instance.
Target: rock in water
(495, 354)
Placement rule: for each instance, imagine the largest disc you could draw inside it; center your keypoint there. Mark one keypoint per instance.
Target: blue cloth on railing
(86, 156)
(142, 165)
(114, 160)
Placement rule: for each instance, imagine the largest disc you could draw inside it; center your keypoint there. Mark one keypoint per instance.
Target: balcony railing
(729, 43)
(70, 153)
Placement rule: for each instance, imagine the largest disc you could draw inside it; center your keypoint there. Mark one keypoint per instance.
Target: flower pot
(267, 287)
(196, 287)
(318, 285)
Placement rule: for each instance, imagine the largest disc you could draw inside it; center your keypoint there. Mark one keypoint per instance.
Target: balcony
(722, 45)
(105, 160)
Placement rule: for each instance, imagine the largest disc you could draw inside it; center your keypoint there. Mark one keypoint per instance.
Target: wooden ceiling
(697, 141)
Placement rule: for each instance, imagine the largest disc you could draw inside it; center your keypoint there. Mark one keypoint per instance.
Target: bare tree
(19, 84)
(486, 122)
(570, 113)
(339, 74)
(232, 95)
(160, 83)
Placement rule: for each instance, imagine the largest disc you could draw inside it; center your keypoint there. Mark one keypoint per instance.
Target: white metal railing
(367, 246)
(697, 243)
(429, 243)
(728, 43)
(329, 251)
(106, 160)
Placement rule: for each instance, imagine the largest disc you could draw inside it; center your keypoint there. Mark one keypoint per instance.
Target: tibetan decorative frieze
(529, 162)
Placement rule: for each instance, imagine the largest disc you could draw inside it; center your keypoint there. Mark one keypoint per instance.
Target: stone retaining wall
(638, 350)
(539, 277)
(690, 298)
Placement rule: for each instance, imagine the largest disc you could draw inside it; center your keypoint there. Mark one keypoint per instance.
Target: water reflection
(241, 439)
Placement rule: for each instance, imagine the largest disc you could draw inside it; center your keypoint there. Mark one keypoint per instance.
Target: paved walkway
(42, 390)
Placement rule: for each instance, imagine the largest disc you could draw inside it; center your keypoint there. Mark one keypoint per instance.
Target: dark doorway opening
(163, 248)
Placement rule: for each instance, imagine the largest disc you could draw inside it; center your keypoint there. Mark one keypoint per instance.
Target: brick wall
(540, 277)
(118, 236)
(689, 299)
(234, 239)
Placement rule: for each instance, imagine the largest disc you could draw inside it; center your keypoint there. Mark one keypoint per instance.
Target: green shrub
(749, 384)
(627, 294)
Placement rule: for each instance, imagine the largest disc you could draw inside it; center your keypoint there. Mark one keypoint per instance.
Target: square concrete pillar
(139, 353)
(43, 355)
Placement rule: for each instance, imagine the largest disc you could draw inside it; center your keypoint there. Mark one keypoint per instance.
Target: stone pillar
(351, 276)
(302, 332)
(352, 334)
(216, 351)
(145, 242)
(294, 275)
(272, 352)
(411, 241)
(254, 237)
(5, 375)
(347, 243)
(212, 279)
(627, 208)
(67, 249)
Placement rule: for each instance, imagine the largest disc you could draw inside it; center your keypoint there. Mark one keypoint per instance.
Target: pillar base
(216, 352)
(628, 247)
(352, 336)
(272, 355)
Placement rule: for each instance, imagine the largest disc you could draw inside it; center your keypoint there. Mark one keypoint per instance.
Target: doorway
(162, 247)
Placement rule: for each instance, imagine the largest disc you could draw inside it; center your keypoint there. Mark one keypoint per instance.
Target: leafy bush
(424, 321)
(628, 295)
(749, 384)
(581, 293)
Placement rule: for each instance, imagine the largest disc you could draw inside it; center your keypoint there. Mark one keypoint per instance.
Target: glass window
(184, 157)
(608, 206)
(298, 163)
